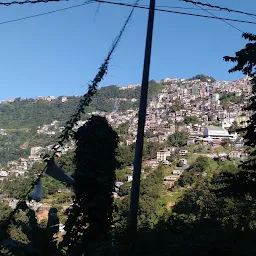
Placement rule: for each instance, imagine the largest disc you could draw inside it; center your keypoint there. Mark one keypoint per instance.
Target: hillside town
(166, 113)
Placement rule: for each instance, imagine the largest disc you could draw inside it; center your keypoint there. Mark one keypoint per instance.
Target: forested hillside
(31, 113)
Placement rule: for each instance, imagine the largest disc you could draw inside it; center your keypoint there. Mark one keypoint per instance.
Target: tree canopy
(178, 139)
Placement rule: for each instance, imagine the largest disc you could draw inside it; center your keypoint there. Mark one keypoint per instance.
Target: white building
(162, 155)
(227, 122)
(217, 132)
(215, 97)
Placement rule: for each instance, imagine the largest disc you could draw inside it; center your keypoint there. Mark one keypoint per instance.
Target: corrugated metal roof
(215, 128)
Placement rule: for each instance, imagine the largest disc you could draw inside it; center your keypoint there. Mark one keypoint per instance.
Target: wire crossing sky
(59, 53)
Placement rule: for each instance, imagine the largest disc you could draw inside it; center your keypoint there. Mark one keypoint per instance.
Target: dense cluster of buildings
(181, 98)
(166, 113)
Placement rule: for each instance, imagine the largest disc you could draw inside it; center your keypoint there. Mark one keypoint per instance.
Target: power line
(141, 6)
(176, 12)
(180, 7)
(29, 2)
(218, 7)
(114, 3)
(45, 13)
(219, 18)
(75, 6)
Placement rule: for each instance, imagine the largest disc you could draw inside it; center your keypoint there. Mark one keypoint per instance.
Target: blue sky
(57, 54)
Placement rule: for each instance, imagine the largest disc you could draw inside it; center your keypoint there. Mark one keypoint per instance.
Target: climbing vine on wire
(68, 131)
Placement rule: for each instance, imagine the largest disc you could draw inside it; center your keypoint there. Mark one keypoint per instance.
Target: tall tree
(245, 60)
(178, 139)
(90, 217)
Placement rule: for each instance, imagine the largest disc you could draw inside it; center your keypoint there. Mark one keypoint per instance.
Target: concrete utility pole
(135, 191)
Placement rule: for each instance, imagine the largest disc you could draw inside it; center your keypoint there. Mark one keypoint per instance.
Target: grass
(172, 197)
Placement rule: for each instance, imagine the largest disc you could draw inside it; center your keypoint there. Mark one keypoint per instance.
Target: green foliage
(154, 88)
(178, 139)
(226, 143)
(123, 128)
(203, 78)
(187, 179)
(17, 143)
(149, 203)
(23, 235)
(121, 175)
(150, 149)
(231, 97)
(51, 185)
(125, 189)
(30, 113)
(16, 187)
(234, 127)
(191, 120)
(5, 210)
(125, 155)
(229, 166)
(245, 62)
(203, 164)
(94, 183)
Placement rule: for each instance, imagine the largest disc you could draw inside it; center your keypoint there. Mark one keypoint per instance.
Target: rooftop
(215, 128)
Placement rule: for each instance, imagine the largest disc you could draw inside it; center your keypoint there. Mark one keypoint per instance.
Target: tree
(203, 78)
(123, 128)
(121, 175)
(245, 60)
(226, 143)
(150, 149)
(178, 139)
(16, 187)
(125, 189)
(149, 206)
(234, 127)
(5, 210)
(191, 120)
(203, 164)
(89, 219)
(125, 155)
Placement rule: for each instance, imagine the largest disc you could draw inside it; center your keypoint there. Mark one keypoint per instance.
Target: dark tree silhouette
(246, 62)
(90, 217)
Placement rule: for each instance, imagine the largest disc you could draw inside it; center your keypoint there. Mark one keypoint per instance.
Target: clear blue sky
(58, 53)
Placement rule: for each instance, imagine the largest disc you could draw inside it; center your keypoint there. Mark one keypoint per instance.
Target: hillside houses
(167, 112)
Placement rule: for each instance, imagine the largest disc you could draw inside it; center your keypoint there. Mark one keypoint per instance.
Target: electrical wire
(45, 13)
(182, 8)
(218, 7)
(219, 18)
(121, 4)
(169, 11)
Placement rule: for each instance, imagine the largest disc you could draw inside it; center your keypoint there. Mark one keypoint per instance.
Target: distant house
(162, 155)
(130, 142)
(183, 152)
(176, 172)
(169, 180)
(234, 155)
(63, 190)
(222, 156)
(117, 185)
